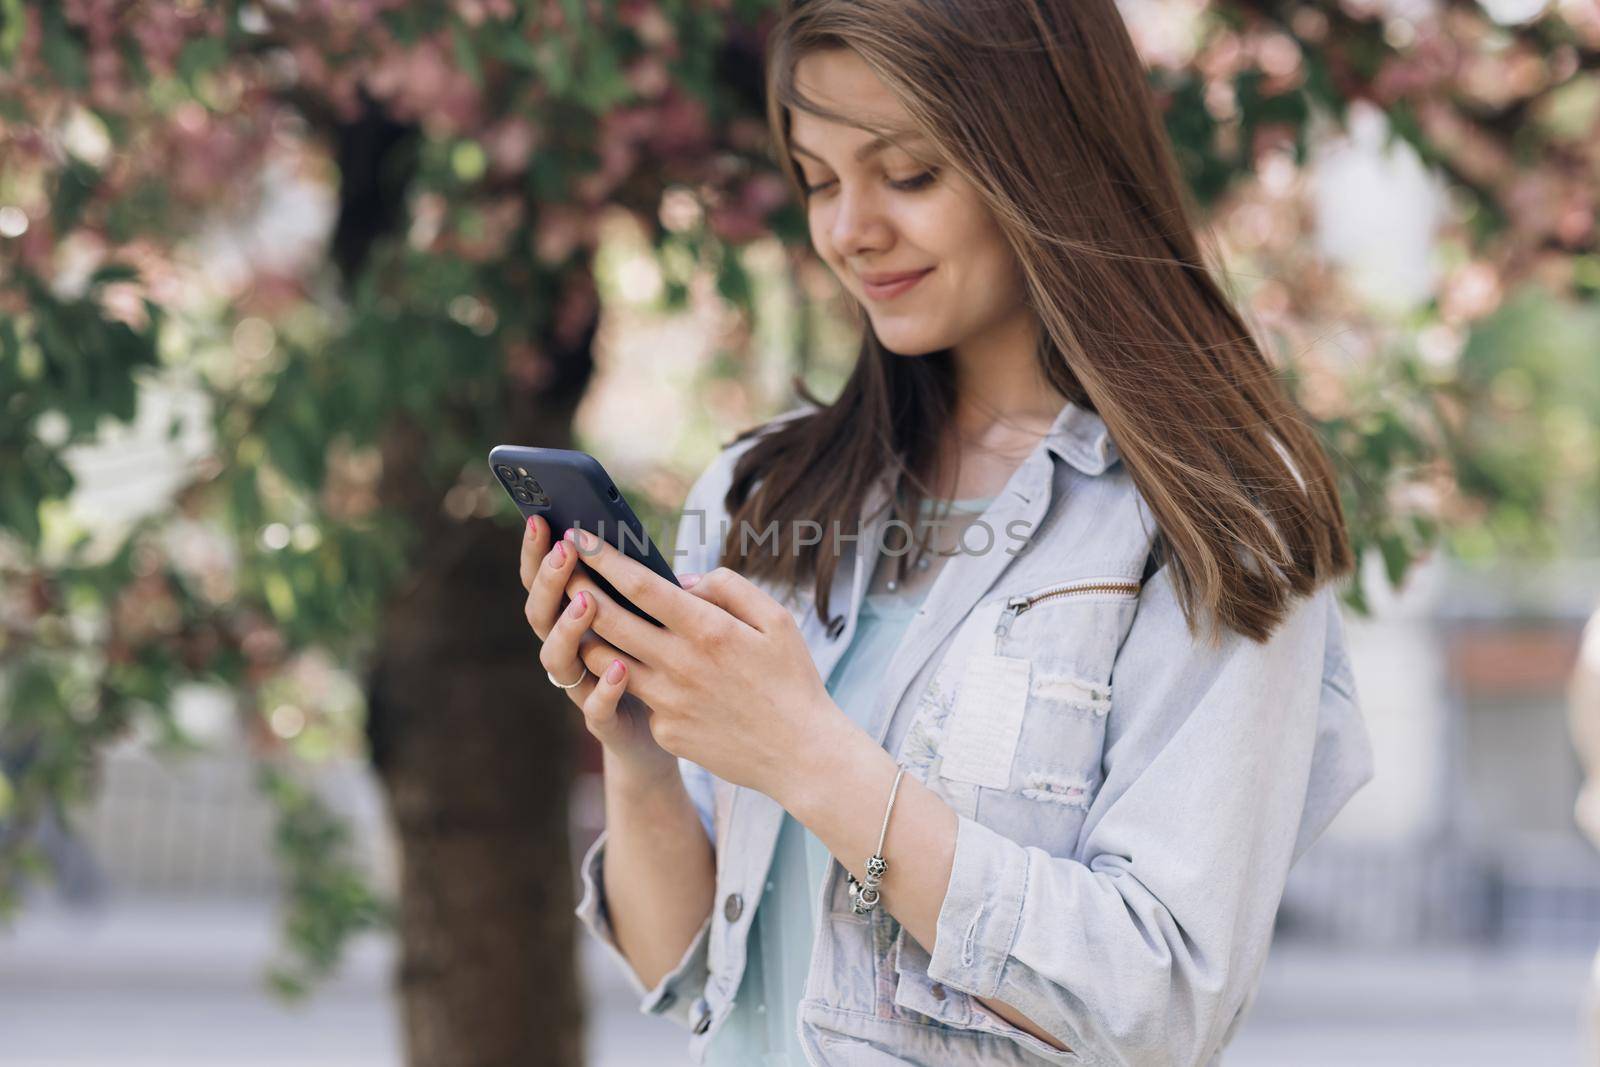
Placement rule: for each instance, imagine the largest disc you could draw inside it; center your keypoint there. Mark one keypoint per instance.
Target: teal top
(762, 1030)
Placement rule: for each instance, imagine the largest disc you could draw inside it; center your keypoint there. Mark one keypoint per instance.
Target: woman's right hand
(619, 720)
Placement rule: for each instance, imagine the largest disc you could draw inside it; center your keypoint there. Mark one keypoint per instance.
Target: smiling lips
(889, 286)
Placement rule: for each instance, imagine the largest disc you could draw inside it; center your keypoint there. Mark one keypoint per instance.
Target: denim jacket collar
(1080, 437)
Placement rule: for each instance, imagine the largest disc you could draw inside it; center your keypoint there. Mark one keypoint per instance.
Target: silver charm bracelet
(864, 895)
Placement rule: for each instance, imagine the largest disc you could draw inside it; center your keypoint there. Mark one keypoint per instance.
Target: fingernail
(560, 554)
(614, 672)
(575, 608)
(567, 535)
(688, 580)
(530, 522)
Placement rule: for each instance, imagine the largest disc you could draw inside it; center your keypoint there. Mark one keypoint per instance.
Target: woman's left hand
(729, 678)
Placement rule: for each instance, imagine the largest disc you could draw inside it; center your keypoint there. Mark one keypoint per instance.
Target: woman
(1026, 789)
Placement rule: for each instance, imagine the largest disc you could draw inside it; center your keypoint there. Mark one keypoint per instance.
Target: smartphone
(571, 489)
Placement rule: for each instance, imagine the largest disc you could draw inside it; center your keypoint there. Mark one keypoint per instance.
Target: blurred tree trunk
(476, 752)
(474, 749)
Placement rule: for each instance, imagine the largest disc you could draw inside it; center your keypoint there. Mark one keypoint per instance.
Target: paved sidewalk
(177, 984)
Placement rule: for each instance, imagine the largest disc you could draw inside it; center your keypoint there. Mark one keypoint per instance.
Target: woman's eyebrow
(877, 144)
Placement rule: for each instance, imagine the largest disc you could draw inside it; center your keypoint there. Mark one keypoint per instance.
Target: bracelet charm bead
(864, 895)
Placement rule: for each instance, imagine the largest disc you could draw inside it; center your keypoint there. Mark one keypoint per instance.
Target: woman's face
(895, 210)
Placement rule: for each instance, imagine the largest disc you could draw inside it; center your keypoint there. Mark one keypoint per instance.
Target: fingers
(739, 597)
(535, 543)
(559, 653)
(605, 694)
(641, 585)
(566, 652)
(546, 583)
(545, 569)
(642, 641)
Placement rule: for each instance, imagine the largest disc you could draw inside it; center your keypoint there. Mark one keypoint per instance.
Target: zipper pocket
(1022, 602)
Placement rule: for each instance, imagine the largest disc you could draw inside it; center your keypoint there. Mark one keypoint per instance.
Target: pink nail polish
(560, 552)
(614, 672)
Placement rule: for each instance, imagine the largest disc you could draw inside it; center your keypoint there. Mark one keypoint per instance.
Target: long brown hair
(1042, 106)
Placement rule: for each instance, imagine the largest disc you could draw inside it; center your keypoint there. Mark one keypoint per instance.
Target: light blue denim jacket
(1120, 855)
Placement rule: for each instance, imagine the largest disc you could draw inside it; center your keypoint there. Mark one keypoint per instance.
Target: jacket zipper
(1018, 604)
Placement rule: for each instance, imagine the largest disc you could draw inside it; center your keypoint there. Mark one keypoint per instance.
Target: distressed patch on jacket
(1069, 790)
(1073, 690)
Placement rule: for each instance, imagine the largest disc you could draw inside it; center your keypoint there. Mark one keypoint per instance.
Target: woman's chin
(907, 343)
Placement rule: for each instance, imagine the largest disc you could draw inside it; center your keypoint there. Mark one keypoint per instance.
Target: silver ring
(558, 685)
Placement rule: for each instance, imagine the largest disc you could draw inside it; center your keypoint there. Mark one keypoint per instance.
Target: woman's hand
(619, 720)
(728, 677)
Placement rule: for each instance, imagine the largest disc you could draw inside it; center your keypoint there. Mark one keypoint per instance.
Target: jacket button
(938, 991)
(733, 907)
(702, 1015)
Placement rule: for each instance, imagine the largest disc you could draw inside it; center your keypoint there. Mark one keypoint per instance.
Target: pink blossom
(510, 143)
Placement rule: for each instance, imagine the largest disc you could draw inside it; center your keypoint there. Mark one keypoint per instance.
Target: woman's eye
(920, 181)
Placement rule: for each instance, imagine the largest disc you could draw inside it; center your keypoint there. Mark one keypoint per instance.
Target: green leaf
(602, 85)
(554, 63)
(62, 52)
(199, 57)
(469, 161)
(1396, 558)
(113, 272)
(328, 897)
(733, 281)
(466, 54)
(74, 188)
(11, 27)
(515, 49)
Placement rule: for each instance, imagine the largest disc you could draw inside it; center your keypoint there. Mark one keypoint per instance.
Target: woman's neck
(1001, 391)
(978, 464)
(1004, 405)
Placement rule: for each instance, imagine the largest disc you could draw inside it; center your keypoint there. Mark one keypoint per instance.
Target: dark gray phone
(571, 489)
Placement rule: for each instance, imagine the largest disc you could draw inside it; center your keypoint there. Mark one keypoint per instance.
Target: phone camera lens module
(522, 471)
(506, 473)
(534, 486)
(522, 495)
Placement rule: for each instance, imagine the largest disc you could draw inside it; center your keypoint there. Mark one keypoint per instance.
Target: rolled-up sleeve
(1143, 946)
(695, 551)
